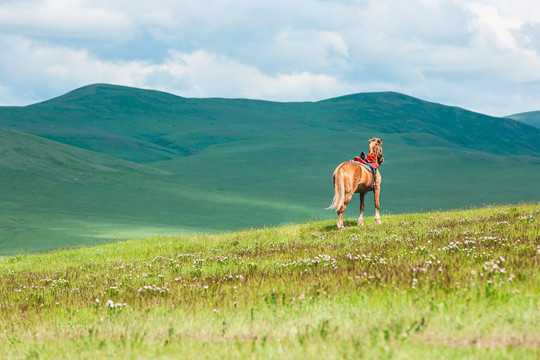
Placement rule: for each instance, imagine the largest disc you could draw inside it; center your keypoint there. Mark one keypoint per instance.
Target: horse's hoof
(378, 222)
(341, 227)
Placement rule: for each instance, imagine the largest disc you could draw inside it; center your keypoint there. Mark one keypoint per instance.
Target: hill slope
(531, 118)
(145, 126)
(449, 285)
(54, 195)
(148, 162)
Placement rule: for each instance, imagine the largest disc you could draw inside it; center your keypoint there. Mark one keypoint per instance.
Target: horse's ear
(380, 141)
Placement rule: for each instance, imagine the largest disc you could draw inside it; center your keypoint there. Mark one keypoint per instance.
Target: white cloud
(74, 18)
(202, 74)
(196, 74)
(468, 53)
(311, 49)
(30, 65)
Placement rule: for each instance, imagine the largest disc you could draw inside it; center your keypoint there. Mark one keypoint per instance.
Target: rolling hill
(106, 162)
(531, 118)
(55, 194)
(146, 126)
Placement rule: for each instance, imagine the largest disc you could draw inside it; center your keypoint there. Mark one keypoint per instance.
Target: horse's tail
(339, 190)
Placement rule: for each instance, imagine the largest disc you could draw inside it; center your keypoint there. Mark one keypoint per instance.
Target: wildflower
(113, 305)
(473, 272)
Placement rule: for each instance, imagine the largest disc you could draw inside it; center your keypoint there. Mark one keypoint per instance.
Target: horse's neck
(374, 151)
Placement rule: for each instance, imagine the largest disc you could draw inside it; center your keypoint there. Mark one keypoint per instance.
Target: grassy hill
(531, 118)
(452, 285)
(146, 126)
(56, 195)
(105, 162)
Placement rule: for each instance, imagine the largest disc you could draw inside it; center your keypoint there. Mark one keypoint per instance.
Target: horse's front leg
(362, 206)
(377, 205)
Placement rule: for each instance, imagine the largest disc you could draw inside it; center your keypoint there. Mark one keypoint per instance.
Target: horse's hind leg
(377, 205)
(341, 210)
(362, 206)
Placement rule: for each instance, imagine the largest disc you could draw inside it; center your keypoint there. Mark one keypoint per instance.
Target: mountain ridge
(162, 123)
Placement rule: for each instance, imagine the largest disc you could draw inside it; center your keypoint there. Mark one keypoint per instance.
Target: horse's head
(375, 149)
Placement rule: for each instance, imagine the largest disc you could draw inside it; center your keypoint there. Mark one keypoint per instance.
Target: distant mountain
(106, 162)
(531, 118)
(146, 126)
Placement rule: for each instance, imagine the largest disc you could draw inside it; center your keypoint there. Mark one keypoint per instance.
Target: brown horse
(350, 178)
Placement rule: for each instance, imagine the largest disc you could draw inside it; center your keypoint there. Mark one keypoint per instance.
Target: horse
(350, 178)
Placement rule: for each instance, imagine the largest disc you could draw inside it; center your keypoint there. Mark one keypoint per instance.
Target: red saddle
(368, 160)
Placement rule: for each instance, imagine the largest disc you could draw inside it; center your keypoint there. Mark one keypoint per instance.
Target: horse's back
(355, 177)
(348, 167)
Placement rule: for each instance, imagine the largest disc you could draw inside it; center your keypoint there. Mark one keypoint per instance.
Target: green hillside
(105, 162)
(58, 195)
(438, 285)
(146, 126)
(531, 118)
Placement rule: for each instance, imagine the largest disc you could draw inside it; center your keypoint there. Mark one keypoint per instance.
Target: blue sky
(481, 55)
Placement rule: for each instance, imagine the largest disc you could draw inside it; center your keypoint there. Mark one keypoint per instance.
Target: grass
(54, 195)
(106, 162)
(461, 284)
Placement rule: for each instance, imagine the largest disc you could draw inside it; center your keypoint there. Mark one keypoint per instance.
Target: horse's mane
(375, 149)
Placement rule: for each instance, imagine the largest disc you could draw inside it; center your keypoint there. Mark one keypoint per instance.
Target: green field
(105, 162)
(439, 285)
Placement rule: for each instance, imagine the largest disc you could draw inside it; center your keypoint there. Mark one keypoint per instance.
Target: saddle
(370, 163)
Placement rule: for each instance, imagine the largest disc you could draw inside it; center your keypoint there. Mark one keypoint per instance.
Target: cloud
(74, 18)
(43, 68)
(196, 74)
(471, 54)
(528, 36)
(314, 50)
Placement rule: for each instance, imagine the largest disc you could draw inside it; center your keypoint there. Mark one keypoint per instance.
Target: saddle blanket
(369, 168)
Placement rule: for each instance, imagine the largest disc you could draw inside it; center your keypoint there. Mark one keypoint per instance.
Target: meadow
(438, 285)
(107, 162)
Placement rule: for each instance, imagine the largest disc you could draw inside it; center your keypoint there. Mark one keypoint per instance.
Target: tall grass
(436, 285)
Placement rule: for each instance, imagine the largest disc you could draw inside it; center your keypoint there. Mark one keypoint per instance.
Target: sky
(480, 55)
